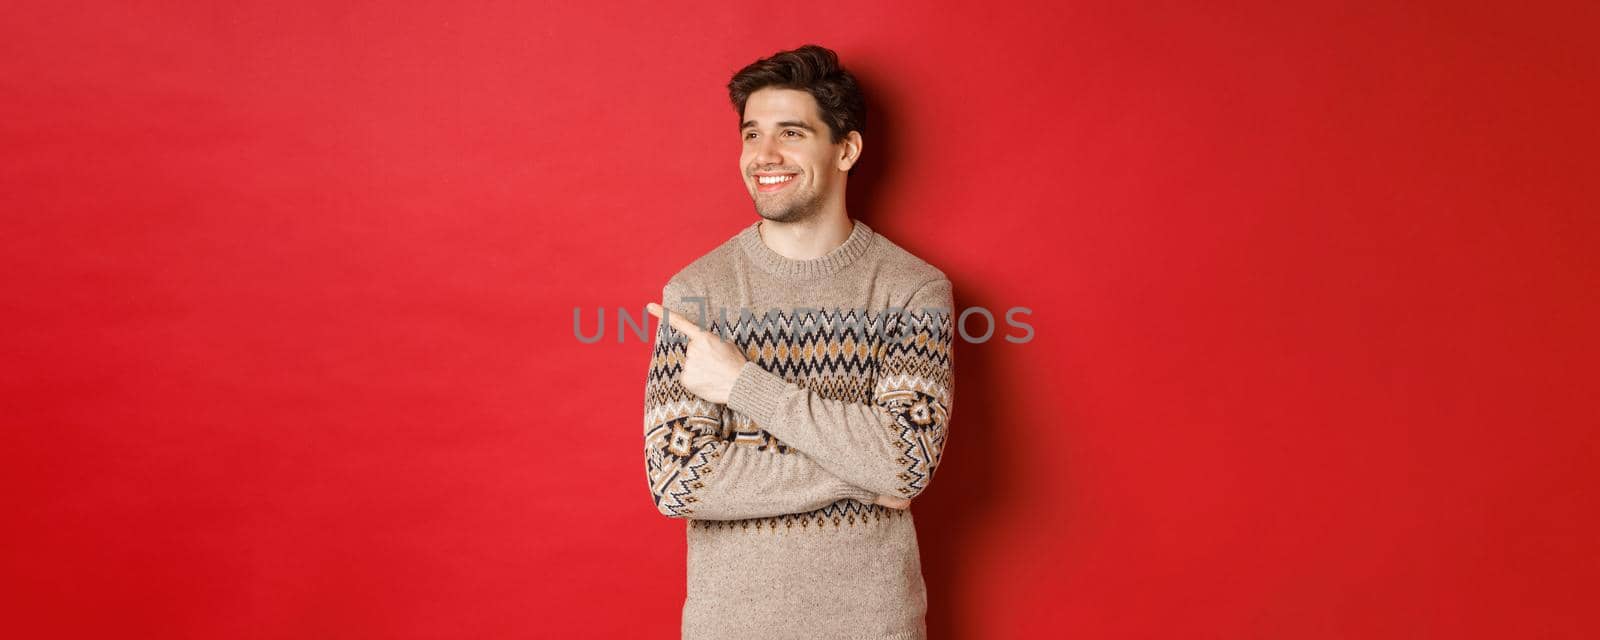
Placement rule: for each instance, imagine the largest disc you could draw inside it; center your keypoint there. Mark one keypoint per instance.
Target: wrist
(757, 393)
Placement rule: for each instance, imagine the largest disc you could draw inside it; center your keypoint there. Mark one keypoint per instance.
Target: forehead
(770, 105)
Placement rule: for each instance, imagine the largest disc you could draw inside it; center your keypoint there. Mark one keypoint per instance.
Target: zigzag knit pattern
(844, 513)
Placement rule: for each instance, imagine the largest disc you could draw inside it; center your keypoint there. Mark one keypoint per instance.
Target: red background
(288, 341)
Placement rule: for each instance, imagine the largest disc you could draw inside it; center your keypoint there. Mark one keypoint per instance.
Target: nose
(767, 152)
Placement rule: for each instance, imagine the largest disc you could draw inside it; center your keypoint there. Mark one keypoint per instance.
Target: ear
(850, 150)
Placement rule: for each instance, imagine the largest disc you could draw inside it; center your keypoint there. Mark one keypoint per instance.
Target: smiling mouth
(767, 184)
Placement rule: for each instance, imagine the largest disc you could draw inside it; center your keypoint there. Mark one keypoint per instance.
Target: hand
(710, 364)
(892, 502)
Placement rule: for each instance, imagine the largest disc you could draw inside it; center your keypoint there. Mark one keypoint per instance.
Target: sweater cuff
(757, 394)
(858, 494)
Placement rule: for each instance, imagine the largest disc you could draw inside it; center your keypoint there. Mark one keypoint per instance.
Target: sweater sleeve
(698, 469)
(891, 445)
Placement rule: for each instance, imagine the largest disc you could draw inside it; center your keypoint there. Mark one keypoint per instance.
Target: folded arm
(696, 472)
(891, 445)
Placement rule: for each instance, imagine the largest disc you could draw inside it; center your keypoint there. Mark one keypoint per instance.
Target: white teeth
(773, 179)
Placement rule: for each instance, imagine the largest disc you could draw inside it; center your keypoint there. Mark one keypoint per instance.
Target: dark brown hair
(814, 70)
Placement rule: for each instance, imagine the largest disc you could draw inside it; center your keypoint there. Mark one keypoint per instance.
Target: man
(799, 390)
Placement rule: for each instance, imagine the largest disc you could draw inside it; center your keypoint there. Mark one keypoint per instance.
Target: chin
(794, 213)
(781, 215)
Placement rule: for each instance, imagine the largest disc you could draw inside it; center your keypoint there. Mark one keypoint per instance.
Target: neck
(806, 239)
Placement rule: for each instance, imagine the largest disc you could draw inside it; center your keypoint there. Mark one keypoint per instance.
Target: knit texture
(846, 395)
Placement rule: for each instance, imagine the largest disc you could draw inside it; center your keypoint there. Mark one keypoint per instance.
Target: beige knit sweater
(846, 395)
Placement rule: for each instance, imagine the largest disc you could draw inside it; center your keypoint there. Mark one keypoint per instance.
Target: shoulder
(906, 268)
(711, 266)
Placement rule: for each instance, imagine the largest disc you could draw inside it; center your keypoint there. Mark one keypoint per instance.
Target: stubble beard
(796, 209)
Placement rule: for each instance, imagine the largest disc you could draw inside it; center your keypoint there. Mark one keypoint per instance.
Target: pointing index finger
(678, 321)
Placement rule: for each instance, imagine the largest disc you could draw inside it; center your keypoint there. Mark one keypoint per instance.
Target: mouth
(774, 182)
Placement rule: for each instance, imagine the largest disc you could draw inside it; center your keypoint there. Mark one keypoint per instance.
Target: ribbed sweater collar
(834, 261)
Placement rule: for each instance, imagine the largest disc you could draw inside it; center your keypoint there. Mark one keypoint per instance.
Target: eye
(796, 133)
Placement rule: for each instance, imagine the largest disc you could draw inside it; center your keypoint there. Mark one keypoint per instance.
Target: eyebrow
(786, 123)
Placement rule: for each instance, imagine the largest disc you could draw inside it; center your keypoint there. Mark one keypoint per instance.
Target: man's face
(784, 138)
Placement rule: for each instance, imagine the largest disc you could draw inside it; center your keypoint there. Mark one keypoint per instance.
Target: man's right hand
(892, 502)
